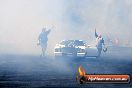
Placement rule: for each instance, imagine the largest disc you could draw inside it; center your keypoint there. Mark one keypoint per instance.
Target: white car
(75, 48)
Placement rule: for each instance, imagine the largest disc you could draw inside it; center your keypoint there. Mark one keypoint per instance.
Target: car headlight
(57, 50)
(82, 51)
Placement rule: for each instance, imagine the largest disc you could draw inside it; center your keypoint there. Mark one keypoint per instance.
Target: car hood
(81, 47)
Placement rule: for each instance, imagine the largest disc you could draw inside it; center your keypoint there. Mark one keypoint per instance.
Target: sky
(21, 22)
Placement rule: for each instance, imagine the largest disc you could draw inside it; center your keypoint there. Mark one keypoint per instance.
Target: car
(74, 48)
(70, 48)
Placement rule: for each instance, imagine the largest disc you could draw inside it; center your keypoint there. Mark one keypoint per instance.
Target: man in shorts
(43, 39)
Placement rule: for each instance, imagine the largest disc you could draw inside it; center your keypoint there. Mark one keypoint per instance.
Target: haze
(21, 22)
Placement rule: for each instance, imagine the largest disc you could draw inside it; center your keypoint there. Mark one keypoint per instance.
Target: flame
(81, 71)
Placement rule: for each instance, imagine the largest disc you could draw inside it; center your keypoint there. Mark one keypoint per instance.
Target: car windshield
(66, 42)
(78, 43)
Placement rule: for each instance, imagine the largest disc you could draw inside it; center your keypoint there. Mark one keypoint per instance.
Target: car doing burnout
(75, 48)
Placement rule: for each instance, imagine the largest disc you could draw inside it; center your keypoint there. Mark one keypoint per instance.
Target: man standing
(43, 39)
(99, 43)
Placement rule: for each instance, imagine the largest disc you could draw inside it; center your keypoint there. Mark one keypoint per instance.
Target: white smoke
(21, 22)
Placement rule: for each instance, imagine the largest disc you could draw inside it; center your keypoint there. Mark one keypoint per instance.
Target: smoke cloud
(21, 22)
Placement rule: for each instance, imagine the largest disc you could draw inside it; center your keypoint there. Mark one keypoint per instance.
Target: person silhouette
(43, 39)
(99, 43)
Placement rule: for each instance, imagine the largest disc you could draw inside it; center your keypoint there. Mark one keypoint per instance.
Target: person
(43, 39)
(99, 43)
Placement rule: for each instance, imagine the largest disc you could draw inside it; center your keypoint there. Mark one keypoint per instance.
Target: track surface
(32, 71)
